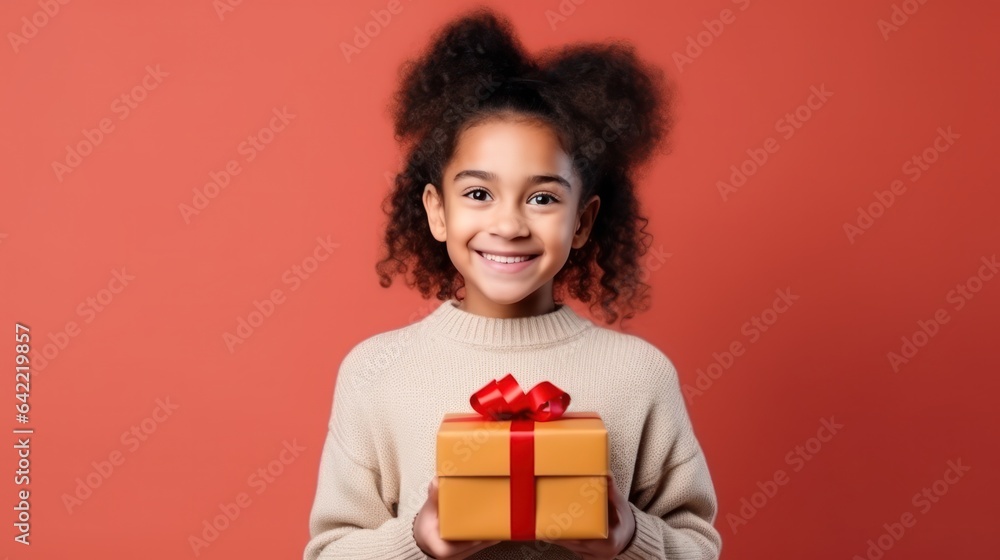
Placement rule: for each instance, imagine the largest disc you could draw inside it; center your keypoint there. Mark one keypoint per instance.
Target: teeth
(506, 260)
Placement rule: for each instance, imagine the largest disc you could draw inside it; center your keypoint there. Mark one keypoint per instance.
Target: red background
(325, 174)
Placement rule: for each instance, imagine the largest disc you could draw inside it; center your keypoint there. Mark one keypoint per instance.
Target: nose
(508, 222)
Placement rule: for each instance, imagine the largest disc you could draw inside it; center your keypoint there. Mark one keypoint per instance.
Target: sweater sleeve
(350, 519)
(673, 498)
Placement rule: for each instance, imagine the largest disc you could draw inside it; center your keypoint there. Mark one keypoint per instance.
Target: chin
(502, 296)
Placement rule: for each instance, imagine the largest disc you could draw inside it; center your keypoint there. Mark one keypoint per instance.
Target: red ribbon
(504, 400)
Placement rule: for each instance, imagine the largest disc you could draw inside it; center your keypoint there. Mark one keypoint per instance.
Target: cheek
(461, 226)
(559, 234)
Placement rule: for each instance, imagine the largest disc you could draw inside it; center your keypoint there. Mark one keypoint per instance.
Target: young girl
(518, 186)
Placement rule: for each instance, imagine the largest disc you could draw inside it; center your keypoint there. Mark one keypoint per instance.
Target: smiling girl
(519, 188)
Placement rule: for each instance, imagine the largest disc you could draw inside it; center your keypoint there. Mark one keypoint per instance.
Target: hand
(427, 533)
(621, 530)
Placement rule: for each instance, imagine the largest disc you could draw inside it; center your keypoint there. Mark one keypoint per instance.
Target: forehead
(511, 148)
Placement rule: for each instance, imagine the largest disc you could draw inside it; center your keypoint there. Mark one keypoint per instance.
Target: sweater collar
(460, 325)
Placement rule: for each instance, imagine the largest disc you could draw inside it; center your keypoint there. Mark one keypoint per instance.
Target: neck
(538, 303)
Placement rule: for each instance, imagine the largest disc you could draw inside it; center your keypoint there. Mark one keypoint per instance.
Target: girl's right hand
(427, 535)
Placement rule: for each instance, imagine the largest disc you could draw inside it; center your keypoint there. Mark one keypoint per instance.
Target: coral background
(147, 383)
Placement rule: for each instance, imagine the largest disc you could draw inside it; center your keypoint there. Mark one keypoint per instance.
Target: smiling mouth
(499, 259)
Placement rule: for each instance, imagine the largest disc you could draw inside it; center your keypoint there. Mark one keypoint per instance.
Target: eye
(544, 196)
(476, 190)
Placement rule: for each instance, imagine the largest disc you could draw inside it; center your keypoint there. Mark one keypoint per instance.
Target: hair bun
(468, 50)
(620, 100)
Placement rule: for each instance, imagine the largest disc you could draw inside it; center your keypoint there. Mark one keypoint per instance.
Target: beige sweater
(393, 389)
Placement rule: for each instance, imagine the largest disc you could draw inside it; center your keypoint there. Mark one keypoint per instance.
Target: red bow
(504, 400)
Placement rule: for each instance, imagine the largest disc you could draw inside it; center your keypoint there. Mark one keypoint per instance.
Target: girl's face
(510, 194)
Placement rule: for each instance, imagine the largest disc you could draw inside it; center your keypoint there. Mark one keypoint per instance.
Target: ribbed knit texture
(393, 388)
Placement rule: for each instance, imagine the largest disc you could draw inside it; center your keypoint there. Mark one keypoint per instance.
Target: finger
(615, 501)
(453, 549)
(614, 494)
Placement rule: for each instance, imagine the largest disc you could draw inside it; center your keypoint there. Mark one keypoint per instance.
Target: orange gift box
(521, 468)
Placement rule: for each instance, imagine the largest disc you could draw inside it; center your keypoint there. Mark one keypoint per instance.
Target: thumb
(432, 493)
(614, 495)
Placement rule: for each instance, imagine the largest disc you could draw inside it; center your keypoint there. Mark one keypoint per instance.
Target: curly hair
(609, 109)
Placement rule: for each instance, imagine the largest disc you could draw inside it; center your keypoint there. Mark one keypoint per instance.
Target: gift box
(522, 468)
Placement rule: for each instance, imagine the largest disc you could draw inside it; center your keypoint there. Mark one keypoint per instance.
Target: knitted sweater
(393, 389)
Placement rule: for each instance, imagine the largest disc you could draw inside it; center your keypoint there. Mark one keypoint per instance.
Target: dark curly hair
(610, 110)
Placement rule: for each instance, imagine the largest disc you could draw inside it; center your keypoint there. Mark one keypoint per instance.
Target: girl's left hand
(621, 530)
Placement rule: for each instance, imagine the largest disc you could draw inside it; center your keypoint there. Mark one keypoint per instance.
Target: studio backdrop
(190, 218)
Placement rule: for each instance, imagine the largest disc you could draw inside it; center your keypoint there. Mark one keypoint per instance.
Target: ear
(585, 221)
(435, 212)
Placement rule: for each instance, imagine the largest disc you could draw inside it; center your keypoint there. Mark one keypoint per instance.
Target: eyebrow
(533, 180)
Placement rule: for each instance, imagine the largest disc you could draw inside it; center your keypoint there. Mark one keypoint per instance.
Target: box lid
(470, 445)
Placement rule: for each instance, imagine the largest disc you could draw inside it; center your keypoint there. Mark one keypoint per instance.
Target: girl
(518, 187)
